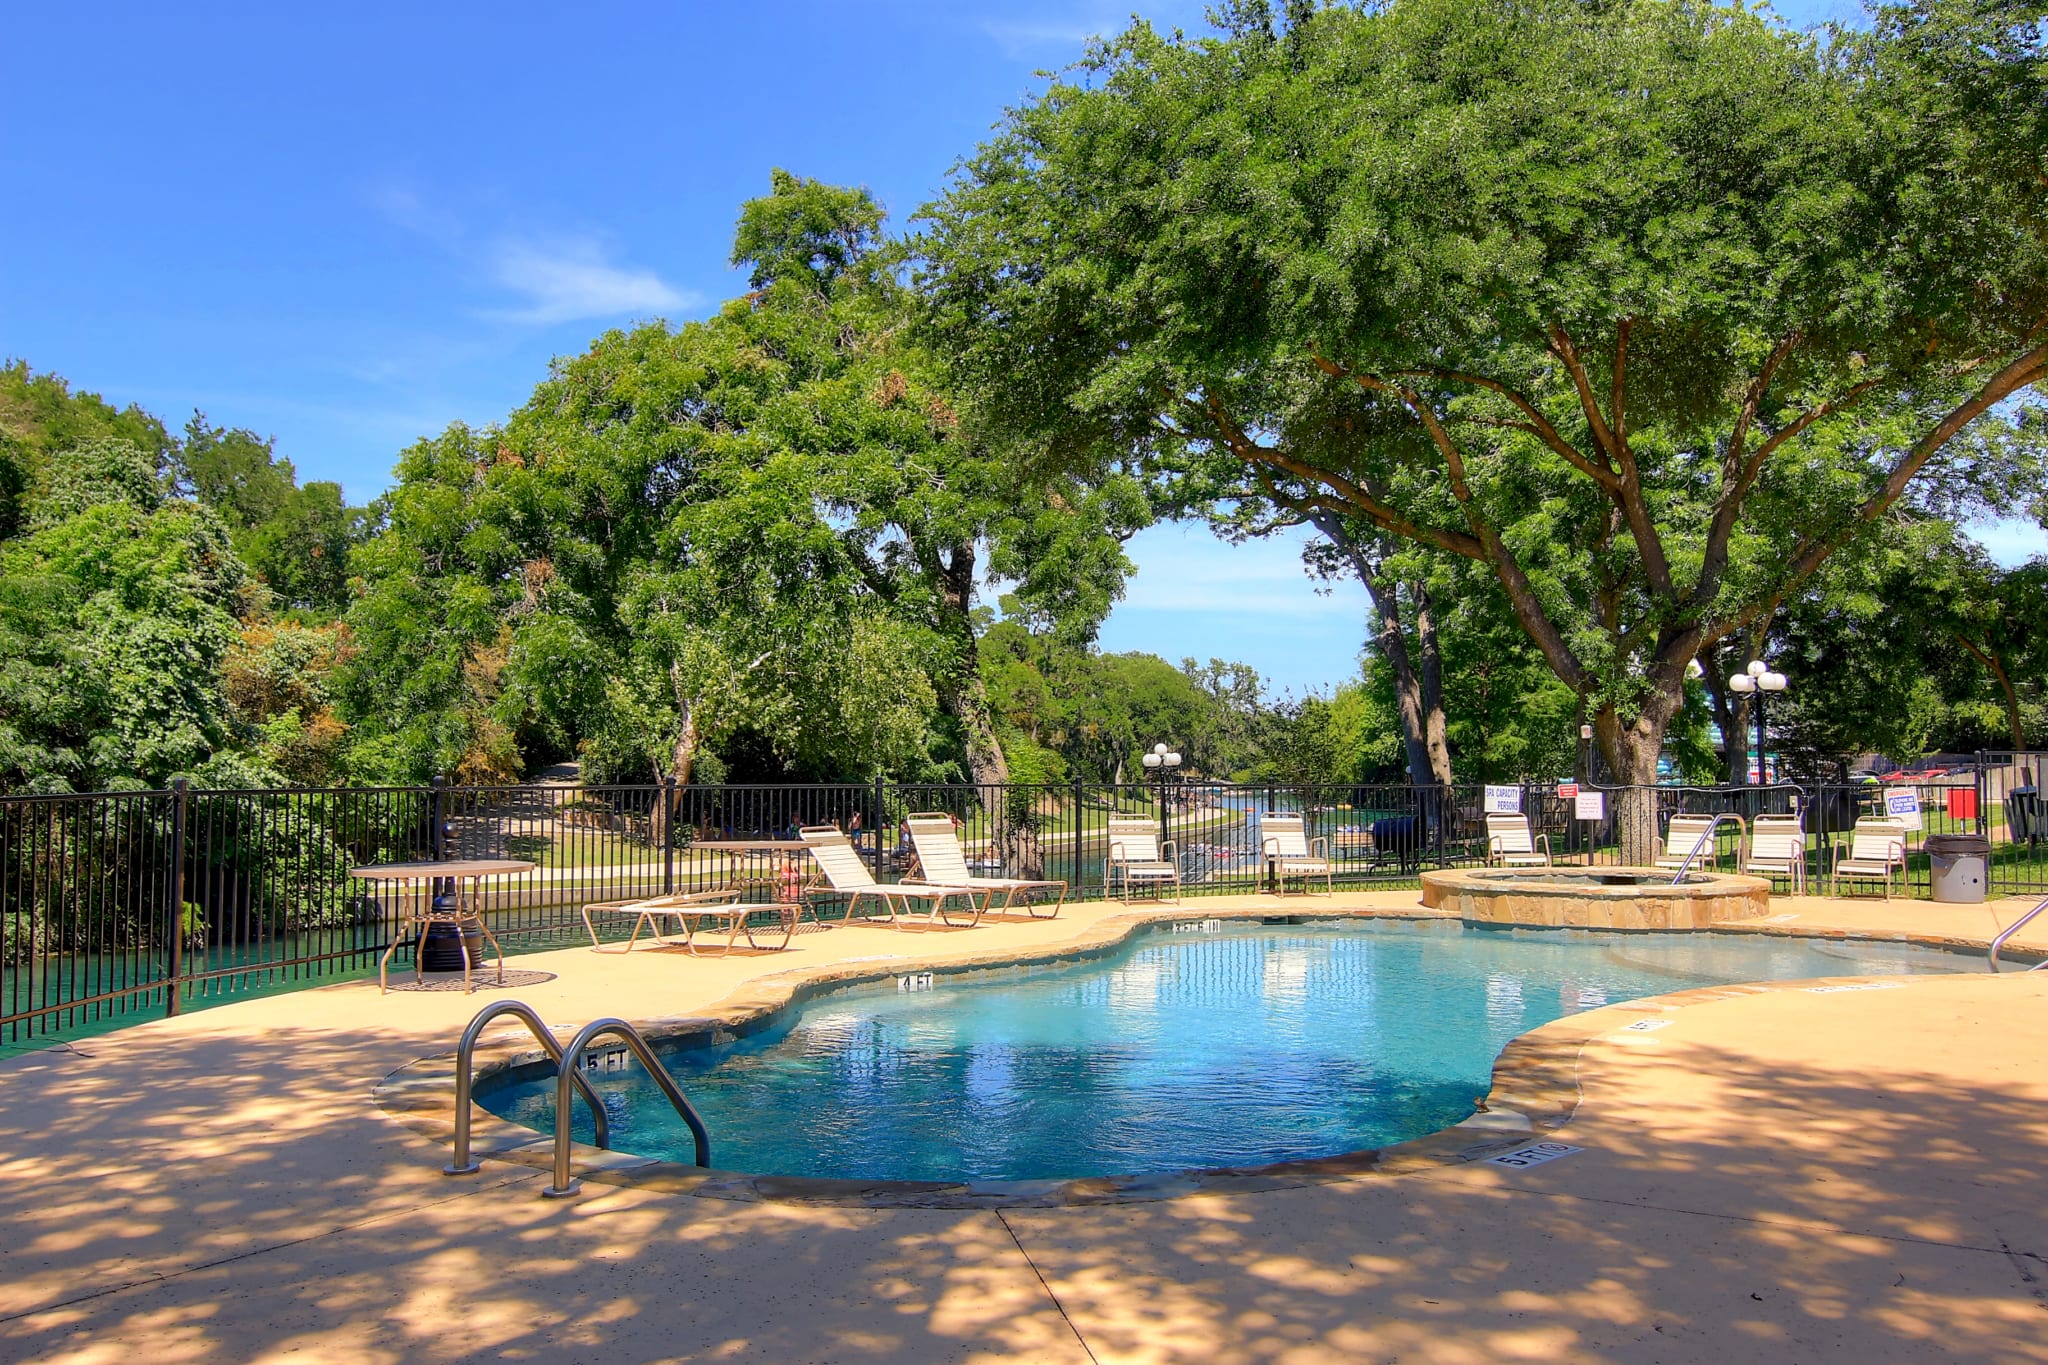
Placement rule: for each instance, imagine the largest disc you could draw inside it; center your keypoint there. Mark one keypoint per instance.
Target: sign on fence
(1592, 805)
(1567, 790)
(1904, 807)
(1503, 800)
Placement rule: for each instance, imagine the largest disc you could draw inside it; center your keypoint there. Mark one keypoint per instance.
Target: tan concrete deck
(1775, 1175)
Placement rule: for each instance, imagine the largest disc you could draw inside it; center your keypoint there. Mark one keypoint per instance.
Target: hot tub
(1595, 897)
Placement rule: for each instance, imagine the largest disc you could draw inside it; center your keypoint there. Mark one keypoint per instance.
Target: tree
(40, 415)
(116, 611)
(928, 505)
(1647, 308)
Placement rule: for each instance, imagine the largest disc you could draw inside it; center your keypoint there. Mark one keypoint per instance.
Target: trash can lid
(1957, 845)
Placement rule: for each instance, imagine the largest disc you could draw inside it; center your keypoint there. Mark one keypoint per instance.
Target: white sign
(1592, 805)
(1503, 800)
(1904, 807)
(1535, 1154)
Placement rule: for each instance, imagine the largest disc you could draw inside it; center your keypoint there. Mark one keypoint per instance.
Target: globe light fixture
(1756, 680)
(1161, 761)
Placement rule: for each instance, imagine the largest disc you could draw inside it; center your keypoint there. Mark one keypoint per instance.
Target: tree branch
(1354, 496)
(2027, 369)
(1538, 424)
(1628, 492)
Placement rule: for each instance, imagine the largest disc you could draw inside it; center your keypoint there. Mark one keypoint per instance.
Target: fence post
(440, 843)
(1074, 874)
(667, 797)
(180, 795)
(881, 818)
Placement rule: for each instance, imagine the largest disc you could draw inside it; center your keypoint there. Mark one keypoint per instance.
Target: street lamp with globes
(1160, 762)
(1757, 680)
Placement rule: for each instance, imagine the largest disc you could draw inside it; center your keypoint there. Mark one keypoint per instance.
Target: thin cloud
(571, 281)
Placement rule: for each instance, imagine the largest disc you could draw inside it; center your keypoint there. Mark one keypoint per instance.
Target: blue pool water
(1239, 1046)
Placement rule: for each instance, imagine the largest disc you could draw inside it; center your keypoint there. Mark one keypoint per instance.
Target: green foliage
(40, 415)
(114, 623)
(805, 230)
(1648, 308)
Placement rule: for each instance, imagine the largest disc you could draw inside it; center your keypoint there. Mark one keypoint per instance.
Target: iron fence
(117, 906)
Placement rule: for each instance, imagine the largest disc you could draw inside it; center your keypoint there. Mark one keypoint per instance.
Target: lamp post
(1160, 762)
(1755, 681)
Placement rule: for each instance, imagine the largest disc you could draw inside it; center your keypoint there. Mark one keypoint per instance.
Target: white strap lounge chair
(849, 876)
(1509, 843)
(693, 912)
(1289, 852)
(1681, 834)
(1138, 857)
(1777, 848)
(940, 855)
(1877, 848)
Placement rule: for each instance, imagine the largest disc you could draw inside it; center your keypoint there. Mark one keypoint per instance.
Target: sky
(348, 226)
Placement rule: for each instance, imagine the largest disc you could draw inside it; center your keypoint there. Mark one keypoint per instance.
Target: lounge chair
(1777, 848)
(940, 855)
(1509, 843)
(1876, 849)
(1289, 852)
(692, 912)
(1681, 835)
(1139, 857)
(849, 877)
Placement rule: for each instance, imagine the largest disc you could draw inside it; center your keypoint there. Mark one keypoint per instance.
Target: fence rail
(118, 906)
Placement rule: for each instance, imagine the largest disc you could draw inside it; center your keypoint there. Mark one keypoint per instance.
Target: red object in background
(1962, 803)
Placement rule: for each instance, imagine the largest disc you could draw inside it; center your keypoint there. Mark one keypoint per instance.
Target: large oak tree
(1648, 307)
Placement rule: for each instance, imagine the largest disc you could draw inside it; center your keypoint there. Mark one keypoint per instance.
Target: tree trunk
(1731, 717)
(1631, 750)
(1435, 734)
(1012, 815)
(1989, 658)
(1418, 694)
(682, 760)
(1392, 643)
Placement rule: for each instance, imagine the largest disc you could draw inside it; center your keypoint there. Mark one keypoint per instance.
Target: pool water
(1227, 1046)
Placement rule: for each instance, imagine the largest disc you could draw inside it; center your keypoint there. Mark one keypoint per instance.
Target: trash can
(1958, 864)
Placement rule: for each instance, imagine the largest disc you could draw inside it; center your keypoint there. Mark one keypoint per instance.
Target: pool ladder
(569, 1083)
(2009, 930)
(1706, 838)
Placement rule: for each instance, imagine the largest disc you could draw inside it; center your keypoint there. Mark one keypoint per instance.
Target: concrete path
(1775, 1175)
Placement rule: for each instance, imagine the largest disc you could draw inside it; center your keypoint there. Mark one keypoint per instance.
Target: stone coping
(1548, 897)
(1534, 1088)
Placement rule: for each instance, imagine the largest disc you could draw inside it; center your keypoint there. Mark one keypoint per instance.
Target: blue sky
(349, 226)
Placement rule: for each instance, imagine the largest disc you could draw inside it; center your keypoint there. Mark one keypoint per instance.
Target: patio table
(451, 900)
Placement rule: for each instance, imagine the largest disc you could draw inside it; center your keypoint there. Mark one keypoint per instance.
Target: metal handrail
(1706, 837)
(2009, 930)
(565, 1183)
(465, 1053)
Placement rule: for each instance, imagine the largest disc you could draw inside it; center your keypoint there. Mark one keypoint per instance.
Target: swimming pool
(1227, 1045)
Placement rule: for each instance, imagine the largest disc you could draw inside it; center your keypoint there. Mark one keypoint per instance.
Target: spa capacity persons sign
(1503, 800)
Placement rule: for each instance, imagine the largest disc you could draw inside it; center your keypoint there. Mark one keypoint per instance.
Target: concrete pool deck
(1770, 1175)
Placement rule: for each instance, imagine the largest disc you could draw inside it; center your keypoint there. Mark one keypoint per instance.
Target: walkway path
(1781, 1175)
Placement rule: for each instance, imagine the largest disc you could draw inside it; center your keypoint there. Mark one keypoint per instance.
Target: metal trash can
(1958, 866)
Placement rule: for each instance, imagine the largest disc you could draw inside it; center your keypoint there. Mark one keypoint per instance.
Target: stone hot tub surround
(1595, 897)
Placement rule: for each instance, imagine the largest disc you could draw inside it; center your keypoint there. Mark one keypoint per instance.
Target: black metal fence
(119, 906)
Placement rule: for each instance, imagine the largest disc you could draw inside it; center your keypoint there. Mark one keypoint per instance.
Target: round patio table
(451, 899)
